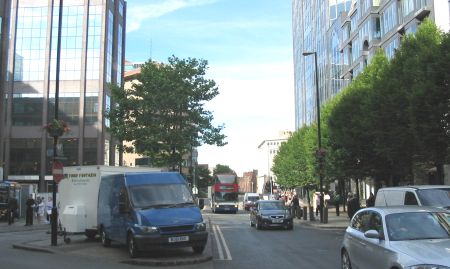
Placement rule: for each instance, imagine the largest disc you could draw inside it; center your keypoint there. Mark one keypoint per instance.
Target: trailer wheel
(106, 242)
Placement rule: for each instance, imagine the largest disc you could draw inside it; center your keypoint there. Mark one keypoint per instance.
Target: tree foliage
(394, 115)
(222, 169)
(163, 112)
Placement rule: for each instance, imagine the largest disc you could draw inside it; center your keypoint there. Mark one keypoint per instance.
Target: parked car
(423, 195)
(397, 237)
(249, 200)
(271, 213)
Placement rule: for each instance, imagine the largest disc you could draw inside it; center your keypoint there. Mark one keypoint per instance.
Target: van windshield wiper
(158, 206)
(184, 203)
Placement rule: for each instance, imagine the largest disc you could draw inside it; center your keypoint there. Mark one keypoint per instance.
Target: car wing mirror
(372, 234)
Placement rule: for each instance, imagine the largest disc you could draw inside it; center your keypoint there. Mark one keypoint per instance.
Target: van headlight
(236, 205)
(147, 229)
(201, 226)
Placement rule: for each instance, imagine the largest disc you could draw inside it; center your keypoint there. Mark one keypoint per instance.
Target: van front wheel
(132, 248)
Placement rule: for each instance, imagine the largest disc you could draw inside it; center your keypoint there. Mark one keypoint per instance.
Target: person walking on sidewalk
(30, 210)
(370, 201)
(295, 204)
(337, 201)
(352, 204)
(12, 209)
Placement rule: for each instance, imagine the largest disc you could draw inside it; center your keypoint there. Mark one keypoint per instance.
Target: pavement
(80, 243)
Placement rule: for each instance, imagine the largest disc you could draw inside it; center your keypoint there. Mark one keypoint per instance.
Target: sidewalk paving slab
(80, 244)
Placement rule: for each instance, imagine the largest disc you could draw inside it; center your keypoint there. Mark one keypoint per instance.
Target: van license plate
(178, 239)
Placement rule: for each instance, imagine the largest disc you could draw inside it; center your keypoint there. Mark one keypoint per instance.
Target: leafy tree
(423, 62)
(163, 113)
(222, 169)
(203, 177)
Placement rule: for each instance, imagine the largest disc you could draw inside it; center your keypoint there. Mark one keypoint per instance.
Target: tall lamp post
(54, 216)
(319, 151)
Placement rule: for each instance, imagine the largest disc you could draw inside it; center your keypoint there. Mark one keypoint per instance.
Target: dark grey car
(271, 213)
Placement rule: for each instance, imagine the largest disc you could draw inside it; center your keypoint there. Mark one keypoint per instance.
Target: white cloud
(137, 14)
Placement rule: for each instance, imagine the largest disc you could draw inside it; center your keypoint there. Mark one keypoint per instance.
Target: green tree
(163, 113)
(423, 62)
(222, 169)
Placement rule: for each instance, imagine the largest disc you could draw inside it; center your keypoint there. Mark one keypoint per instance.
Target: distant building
(248, 182)
(270, 149)
(92, 56)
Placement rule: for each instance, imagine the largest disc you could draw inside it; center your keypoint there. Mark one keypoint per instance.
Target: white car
(400, 237)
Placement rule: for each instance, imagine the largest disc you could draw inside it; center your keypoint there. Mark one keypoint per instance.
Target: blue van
(148, 211)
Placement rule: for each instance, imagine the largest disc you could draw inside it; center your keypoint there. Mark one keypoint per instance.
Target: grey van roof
(417, 187)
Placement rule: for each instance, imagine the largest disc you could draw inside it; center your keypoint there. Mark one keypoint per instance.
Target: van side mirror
(201, 203)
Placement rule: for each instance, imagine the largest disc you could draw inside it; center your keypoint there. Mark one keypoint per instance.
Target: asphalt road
(238, 245)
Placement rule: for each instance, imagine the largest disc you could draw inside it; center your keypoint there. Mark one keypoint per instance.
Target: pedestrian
(40, 210)
(317, 201)
(295, 203)
(371, 200)
(337, 201)
(48, 208)
(12, 209)
(352, 204)
(30, 203)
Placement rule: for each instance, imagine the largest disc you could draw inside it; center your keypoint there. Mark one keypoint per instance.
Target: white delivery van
(78, 196)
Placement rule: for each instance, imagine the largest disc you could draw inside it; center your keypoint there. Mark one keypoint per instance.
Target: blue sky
(248, 46)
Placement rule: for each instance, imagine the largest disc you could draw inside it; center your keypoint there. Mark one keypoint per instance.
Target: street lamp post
(319, 152)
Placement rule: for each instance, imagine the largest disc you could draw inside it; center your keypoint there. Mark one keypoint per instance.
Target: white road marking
(218, 233)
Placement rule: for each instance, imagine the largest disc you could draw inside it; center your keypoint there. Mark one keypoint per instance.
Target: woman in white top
(41, 210)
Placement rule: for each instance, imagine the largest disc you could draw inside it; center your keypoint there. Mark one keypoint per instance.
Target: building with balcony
(345, 34)
(92, 56)
(370, 25)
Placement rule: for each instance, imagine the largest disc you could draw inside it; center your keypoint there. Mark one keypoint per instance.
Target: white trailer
(78, 196)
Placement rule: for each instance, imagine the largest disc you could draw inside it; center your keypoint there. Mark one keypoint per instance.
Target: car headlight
(216, 205)
(201, 226)
(427, 266)
(147, 229)
(236, 205)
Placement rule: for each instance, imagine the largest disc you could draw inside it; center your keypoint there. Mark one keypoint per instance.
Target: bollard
(305, 213)
(325, 215)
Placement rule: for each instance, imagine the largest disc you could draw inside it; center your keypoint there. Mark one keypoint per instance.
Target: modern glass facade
(312, 32)
(92, 42)
(353, 30)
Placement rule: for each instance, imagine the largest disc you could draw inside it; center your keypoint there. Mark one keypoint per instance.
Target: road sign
(58, 173)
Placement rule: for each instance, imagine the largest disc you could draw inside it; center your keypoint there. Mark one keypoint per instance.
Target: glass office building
(91, 57)
(315, 29)
(345, 35)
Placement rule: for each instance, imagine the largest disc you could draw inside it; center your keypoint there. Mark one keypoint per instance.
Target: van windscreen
(154, 195)
(435, 197)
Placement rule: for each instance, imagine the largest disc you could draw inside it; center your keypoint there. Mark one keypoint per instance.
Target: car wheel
(106, 242)
(345, 260)
(132, 248)
(258, 225)
(199, 249)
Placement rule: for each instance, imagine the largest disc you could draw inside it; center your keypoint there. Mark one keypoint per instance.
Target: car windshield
(418, 226)
(271, 206)
(435, 197)
(143, 196)
(252, 198)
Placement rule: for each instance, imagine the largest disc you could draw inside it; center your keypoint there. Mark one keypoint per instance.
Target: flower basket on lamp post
(57, 128)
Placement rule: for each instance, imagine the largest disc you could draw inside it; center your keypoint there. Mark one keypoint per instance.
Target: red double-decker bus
(224, 193)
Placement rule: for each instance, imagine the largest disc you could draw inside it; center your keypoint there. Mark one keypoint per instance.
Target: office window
(27, 109)
(71, 43)
(94, 42)
(31, 38)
